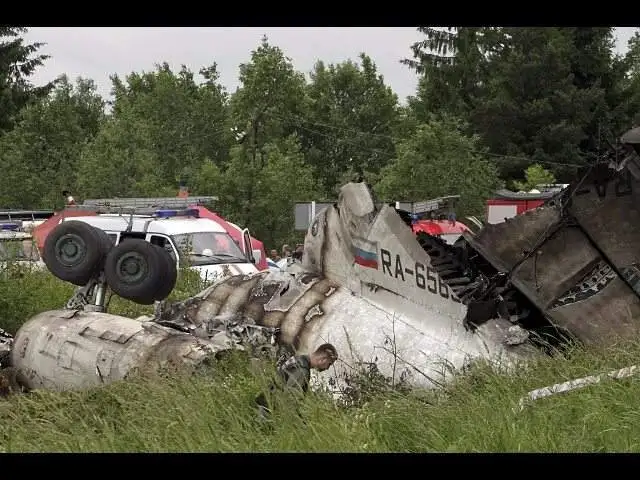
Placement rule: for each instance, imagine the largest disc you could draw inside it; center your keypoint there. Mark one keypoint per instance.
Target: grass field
(212, 410)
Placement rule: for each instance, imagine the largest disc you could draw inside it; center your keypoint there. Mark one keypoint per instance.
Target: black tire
(134, 270)
(170, 276)
(74, 252)
(106, 243)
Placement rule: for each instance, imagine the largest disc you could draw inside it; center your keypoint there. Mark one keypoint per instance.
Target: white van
(201, 242)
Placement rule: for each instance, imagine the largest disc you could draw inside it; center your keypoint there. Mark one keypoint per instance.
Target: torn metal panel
(563, 258)
(600, 306)
(529, 247)
(607, 208)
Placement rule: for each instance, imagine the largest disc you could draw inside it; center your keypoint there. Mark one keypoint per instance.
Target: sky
(97, 52)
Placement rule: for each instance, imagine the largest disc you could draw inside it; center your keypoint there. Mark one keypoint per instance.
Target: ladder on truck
(305, 212)
(434, 205)
(141, 205)
(24, 215)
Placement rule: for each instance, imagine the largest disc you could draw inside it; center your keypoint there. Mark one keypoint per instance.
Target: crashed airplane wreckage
(412, 305)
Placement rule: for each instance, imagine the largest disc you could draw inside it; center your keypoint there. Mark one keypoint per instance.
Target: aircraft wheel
(170, 276)
(106, 243)
(135, 270)
(74, 251)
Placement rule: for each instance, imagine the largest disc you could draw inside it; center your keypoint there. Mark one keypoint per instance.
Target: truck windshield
(208, 248)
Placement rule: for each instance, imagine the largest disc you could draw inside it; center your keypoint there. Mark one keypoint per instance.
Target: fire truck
(147, 206)
(39, 223)
(507, 204)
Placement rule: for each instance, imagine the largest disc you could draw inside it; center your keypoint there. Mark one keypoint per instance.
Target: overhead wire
(393, 138)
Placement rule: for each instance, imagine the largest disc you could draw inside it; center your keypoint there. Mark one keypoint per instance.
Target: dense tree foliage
(546, 95)
(351, 119)
(438, 160)
(17, 62)
(42, 155)
(495, 106)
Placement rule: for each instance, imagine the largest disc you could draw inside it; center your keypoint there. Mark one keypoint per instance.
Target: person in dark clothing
(295, 374)
(297, 254)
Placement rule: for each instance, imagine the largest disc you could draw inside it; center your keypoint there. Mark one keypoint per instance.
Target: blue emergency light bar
(10, 226)
(189, 212)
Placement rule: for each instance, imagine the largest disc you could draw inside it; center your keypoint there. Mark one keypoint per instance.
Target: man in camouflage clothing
(295, 373)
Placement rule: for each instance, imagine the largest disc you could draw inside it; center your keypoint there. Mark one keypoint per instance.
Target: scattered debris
(575, 384)
(516, 335)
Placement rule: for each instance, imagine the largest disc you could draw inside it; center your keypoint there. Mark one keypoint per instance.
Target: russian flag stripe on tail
(365, 253)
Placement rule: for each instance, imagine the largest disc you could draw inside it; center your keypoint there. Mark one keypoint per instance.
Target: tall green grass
(25, 291)
(212, 410)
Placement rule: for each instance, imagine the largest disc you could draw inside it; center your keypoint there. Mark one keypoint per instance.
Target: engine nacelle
(70, 350)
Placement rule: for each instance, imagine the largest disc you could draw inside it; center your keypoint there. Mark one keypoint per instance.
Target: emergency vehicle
(507, 204)
(201, 243)
(93, 207)
(435, 217)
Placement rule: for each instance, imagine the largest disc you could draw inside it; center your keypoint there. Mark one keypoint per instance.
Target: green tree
(185, 122)
(534, 175)
(282, 179)
(163, 126)
(631, 81)
(40, 157)
(351, 121)
(264, 110)
(453, 64)
(532, 108)
(439, 160)
(18, 61)
(596, 69)
(120, 162)
(551, 95)
(271, 98)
